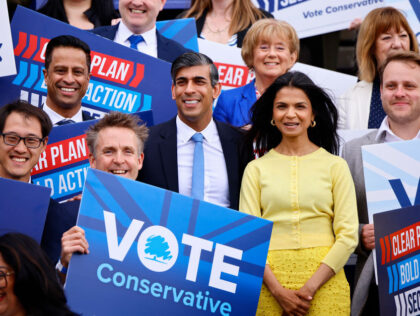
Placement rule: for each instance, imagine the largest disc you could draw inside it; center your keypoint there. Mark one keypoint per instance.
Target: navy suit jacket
(160, 166)
(233, 106)
(167, 49)
(86, 116)
(60, 218)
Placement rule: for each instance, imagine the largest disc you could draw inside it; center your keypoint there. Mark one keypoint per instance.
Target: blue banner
(122, 79)
(183, 31)
(156, 252)
(23, 208)
(397, 239)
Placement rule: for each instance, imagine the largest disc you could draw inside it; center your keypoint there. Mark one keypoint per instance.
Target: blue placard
(122, 79)
(23, 208)
(156, 252)
(64, 163)
(184, 31)
(397, 239)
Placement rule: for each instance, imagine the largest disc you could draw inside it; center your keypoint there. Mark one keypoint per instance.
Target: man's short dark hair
(403, 56)
(66, 41)
(194, 59)
(117, 119)
(26, 110)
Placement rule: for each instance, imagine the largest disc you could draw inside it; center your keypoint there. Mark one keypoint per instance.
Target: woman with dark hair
(308, 193)
(28, 283)
(85, 14)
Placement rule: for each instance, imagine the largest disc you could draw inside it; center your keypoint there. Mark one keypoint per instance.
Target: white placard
(411, 10)
(7, 58)
(314, 17)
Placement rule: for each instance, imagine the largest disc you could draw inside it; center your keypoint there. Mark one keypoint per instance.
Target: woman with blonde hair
(270, 49)
(383, 32)
(224, 21)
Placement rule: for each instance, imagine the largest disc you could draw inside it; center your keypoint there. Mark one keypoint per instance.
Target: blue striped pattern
(183, 31)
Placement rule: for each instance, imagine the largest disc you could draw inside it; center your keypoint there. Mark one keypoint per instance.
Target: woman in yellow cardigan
(308, 193)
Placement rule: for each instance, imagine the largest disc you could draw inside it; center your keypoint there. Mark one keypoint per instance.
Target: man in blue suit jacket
(170, 149)
(140, 19)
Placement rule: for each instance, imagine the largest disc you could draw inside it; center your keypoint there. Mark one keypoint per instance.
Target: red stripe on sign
(381, 241)
(40, 55)
(138, 77)
(62, 153)
(405, 241)
(232, 75)
(23, 37)
(111, 68)
(33, 39)
(388, 249)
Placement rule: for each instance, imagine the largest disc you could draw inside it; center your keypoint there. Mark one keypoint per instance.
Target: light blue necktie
(197, 185)
(134, 40)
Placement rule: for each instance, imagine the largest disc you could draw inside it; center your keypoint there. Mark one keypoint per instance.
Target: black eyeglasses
(3, 279)
(12, 139)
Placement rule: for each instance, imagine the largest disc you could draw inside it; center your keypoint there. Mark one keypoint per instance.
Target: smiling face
(67, 79)
(17, 161)
(272, 58)
(117, 152)
(9, 303)
(400, 93)
(140, 15)
(194, 95)
(292, 112)
(390, 42)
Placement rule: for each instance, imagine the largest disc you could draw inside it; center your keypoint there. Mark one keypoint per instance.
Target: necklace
(216, 31)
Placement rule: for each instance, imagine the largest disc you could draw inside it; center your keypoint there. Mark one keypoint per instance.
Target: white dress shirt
(386, 135)
(148, 46)
(55, 117)
(216, 185)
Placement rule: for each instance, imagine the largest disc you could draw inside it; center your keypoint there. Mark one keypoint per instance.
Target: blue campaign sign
(123, 79)
(392, 173)
(64, 163)
(156, 252)
(183, 31)
(23, 208)
(397, 239)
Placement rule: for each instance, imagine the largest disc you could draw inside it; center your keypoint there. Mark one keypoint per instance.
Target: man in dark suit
(137, 30)
(66, 74)
(24, 130)
(175, 152)
(400, 95)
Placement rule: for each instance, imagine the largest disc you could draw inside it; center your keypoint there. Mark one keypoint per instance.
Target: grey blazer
(352, 153)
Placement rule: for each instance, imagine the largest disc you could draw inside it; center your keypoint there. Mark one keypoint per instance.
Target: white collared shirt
(386, 135)
(148, 46)
(55, 117)
(216, 185)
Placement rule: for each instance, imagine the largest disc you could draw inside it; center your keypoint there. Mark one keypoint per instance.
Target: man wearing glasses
(24, 130)
(24, 136)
